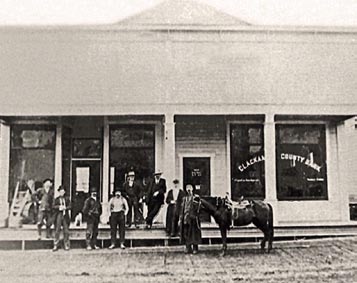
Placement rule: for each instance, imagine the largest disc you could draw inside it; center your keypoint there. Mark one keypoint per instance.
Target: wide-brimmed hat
(93, 190)
(158, 172)
(131, 173)
(176, 181)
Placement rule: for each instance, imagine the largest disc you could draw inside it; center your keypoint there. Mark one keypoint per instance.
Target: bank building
(263, 112)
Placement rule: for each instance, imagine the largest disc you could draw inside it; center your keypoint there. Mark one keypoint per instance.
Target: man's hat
(158, 172)
(176, 181)
(93, 190)
(47, 180)
(131, 173)
(61, 188)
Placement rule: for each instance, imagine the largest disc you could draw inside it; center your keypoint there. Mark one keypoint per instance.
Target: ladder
(17, 206)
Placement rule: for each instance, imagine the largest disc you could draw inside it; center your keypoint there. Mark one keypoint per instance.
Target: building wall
(321, 212)
(92, 71)
(202, 137)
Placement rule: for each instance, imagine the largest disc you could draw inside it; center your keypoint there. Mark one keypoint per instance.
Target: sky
(260, 12)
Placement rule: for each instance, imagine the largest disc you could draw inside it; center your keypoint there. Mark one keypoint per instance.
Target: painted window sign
(37, 137)
(247, 161)
(196, 172)
(301, 162)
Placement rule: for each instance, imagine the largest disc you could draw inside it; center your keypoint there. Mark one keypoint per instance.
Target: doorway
(197, 172)
(85, 174)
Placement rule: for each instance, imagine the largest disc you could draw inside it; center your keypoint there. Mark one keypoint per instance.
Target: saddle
(239, 207)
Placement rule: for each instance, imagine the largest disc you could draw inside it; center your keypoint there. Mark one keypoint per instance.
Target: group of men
(183, 207)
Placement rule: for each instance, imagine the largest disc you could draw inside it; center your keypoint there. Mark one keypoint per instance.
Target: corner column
(4, 172)
(270, 162)
(105, 166)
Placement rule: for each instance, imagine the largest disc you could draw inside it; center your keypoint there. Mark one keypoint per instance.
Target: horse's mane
(208, 206)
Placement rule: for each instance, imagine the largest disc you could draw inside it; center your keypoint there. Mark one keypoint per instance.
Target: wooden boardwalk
(26, 238)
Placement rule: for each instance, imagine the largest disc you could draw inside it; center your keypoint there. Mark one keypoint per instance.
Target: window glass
(132, 147)
(32, 155)
(87, 148)
(301, 162)
(247, 161)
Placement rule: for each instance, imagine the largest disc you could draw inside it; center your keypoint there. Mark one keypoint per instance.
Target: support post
(270, 163)
(58, 160)
(169, 154)
(105, 182)
(4, 172)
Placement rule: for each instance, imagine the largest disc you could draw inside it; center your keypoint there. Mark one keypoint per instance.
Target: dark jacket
(56, 206)
(45, 200)
(92, 207)
(190, 225)
(135, 191)
(170, 197)
(153, 187)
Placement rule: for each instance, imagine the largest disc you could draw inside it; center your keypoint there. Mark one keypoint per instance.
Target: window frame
(232, 125)
(323, 127)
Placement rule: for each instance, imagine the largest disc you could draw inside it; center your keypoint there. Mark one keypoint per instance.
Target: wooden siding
(204, 136)
(70, 71)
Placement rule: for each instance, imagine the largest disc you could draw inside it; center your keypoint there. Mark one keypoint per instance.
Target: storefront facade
(260, 112)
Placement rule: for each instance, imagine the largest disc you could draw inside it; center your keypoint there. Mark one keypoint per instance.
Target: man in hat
(155, 197)
(93, 210)
(62, 207)
(119, 208)
(190, 229)
(133, 192)
(45, 197)
(174, 201)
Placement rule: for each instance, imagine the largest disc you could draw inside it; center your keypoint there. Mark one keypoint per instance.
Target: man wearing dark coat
(190, 225)
(93, 210)
(155, 197)
(174, 201)
(133, 192)
(62, 207)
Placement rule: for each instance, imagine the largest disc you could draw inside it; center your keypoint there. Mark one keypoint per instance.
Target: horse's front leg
(224, 240)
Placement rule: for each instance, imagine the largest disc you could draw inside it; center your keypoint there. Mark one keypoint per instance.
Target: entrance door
(196, 171)
(85, 174)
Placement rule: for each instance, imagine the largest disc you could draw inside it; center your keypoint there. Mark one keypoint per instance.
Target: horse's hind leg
(224, 240)
(270, 238)
(264, 230)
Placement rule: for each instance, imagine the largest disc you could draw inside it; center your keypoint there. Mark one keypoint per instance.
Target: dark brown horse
(225, 214)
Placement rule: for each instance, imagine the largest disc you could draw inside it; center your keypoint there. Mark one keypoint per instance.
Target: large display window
(301, 162)
(132, 147)
(247, 161)
(32, 155)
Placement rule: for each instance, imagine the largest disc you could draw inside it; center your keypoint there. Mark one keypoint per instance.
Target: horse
(225, 214)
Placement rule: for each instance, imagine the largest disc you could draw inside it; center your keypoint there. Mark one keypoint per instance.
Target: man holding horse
(190, 225)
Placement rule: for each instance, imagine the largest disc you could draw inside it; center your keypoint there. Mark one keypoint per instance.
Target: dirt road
(329, 260)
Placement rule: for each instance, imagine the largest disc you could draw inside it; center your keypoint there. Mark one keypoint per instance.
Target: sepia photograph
(178, 141)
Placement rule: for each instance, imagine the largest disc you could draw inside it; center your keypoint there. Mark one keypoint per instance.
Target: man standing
(93, 210)
(62, 206)
(190, 221)
(118, 210)
(45, 196)
(155, 197)
(174, 201)
(132, 191)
